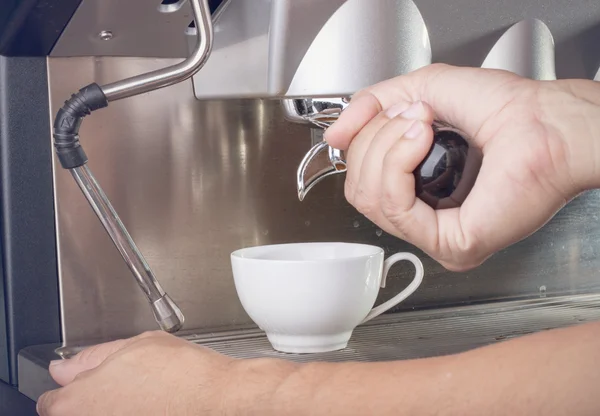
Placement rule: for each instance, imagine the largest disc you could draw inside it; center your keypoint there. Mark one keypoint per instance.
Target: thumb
(64, 371)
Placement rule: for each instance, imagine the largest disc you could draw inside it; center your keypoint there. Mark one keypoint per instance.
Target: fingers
(463, 97)
(353, 119)
(380, 180)
(104, 368)
(65, 371)
(412, 219)
(365, 172)
(371, 101)
(435, 232)
(361, 144)
(389, 135)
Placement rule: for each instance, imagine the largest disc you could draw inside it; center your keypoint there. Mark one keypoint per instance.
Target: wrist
(253, 385)
(571, 110)
(302, 391)
(354, 388)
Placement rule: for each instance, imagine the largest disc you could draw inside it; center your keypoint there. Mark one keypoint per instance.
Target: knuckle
(147, 342)
(453, 266)
(151, 334)
(468, 247)
(81, 376)
(43, 405)
(461, 250)
(403, 223)
(360, 93)
(462, 264)
(89, 353)
(54, 403)
(438, 66)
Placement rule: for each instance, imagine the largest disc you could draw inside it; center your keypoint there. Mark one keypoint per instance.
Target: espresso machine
(202, 124)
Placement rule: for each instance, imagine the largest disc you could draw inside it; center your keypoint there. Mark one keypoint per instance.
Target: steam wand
(72, 157)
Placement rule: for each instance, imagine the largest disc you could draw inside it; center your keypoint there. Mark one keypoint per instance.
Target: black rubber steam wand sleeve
(67, 123)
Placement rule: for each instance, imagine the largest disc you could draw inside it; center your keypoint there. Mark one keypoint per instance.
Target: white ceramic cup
(309, 297)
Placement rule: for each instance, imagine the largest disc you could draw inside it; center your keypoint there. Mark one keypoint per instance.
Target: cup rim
(238, 253)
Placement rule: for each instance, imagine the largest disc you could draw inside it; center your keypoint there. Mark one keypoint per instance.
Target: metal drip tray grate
(428, 333)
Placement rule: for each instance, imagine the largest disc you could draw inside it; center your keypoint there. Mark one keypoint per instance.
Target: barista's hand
(158, 374)
(538, 139)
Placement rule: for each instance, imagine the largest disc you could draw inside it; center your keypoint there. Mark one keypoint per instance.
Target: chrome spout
(321, 113)
(337, 164)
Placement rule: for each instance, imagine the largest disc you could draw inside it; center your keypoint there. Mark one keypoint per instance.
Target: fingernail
(54, 363)
(395, 110)
(414, 112)
(414, 130)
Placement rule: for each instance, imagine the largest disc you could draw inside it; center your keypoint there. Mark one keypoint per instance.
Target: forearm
(572, 108)
(551, 373)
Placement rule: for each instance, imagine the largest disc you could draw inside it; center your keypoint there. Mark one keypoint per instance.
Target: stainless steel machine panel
(461, 31)
(194, 180)
(118, 28)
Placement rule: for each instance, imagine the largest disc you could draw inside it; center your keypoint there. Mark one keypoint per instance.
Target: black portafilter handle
(447, 174)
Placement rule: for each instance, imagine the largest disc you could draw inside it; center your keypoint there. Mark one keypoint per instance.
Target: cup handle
(387, 265)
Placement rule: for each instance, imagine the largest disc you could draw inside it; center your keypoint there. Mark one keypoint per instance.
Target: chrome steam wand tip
(167, 314)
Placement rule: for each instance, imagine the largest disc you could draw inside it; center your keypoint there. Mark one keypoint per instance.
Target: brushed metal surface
(394, 337)
(34, 377)
(196, 180)
(361, 44)
(461, 32)
(311, 48)
(134, 25)
(527, 49)
(178, 72)
(238, 65)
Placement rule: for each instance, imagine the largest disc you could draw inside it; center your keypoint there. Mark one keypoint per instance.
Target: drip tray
(406, 335)
(428, 333)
